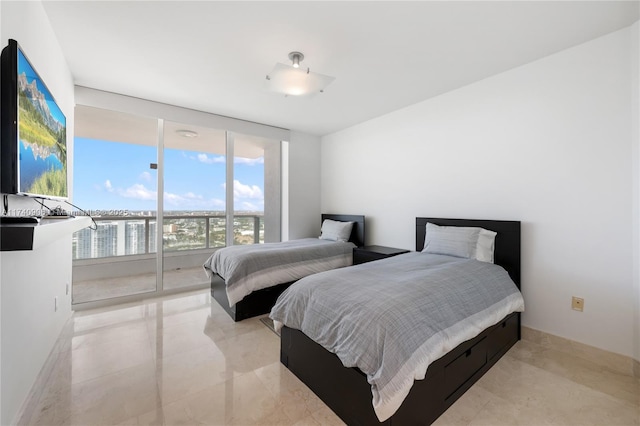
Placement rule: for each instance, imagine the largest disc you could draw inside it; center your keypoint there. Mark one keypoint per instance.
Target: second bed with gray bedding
(392, 318)
(247, 268)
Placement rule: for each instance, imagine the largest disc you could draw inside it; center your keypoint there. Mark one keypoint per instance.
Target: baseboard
(25, 414)
(619, 363)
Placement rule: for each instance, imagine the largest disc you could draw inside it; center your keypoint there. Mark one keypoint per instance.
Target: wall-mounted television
(33, 135)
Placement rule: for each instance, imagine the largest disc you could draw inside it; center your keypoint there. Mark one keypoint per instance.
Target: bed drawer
(505, 333)
(458, 371)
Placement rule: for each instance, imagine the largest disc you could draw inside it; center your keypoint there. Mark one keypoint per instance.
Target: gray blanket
(246, 268)
(392, 318)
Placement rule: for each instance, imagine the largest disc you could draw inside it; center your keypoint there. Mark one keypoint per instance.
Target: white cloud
(215, 202)
(108, 186)
(173, 199)
(190, 200)
(187, 200)
(138, 191)
(241, 190)
(192, 196)
(249, 161)
(204, 158)
(246, 197)
(145, 176)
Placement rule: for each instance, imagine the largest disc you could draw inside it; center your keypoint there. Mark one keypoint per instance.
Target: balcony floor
(108, 288)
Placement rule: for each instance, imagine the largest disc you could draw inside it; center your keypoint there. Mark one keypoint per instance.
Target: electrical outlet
(55, 304)
(577, 303)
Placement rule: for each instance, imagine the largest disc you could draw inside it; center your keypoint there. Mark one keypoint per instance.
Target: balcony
(119, 257)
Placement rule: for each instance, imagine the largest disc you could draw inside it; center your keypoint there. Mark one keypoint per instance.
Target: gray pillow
(451, 240)
(335, 230)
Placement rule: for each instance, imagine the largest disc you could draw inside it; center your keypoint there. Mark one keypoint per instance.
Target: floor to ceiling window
(113, 183)
(164, 195)
(256, 176)
(194, 206)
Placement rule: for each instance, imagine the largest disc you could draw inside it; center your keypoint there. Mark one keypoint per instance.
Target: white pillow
(486, 245)
(460, 241)
(335, 230)
(455, 241)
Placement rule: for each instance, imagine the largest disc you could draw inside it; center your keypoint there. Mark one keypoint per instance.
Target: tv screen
(34, 131)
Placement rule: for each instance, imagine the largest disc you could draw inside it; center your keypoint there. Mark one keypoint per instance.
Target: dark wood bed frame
(261, 301)
(346, 390)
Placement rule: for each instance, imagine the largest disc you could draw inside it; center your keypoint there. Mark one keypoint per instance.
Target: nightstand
(370, 253)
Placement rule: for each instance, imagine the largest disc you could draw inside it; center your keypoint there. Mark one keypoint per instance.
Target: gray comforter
(246, 268)
(392, 318)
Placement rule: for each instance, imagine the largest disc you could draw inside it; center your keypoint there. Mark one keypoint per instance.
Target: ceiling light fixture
(187, 133)
(295, 81)
(296, 57)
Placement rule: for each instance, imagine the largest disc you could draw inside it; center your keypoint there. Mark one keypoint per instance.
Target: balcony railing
(136, 235)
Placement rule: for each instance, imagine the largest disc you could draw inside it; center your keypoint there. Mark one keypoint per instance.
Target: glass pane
(256, 190)
(184, 233)
(217, 232)
(112, 181)
(248, 189)
(194, 201)
(247, 228)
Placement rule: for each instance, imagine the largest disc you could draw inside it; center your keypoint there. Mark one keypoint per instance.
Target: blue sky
(113, 175)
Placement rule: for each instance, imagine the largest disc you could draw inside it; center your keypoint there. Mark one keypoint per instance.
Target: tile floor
(180, 360)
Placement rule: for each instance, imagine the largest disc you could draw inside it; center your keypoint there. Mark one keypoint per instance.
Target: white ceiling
(214, 56)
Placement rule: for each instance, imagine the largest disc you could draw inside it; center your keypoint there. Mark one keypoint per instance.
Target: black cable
(6, 204)
(42, 203)
(95, 225)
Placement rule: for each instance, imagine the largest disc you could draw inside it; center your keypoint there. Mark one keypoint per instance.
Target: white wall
(635, 113)
(549, 144)
(30, 325)
(31, 280)
(272, 192)
(304, 186)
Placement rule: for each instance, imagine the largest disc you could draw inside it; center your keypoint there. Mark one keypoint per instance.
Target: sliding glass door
(194, 221)
(256, 190)
(113, 183)
(165, 195)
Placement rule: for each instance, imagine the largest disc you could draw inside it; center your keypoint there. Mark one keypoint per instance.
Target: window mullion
(229, 188)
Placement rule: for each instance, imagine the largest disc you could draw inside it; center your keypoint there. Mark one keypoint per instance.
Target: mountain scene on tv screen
(43, 147)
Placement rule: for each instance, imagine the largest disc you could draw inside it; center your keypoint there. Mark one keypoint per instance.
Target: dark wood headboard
(507, 249)
(357, 232)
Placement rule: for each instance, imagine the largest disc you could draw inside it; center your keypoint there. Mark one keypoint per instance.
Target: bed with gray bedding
(246, 280)
(397, 341)
(246, 269)
(430, 304)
